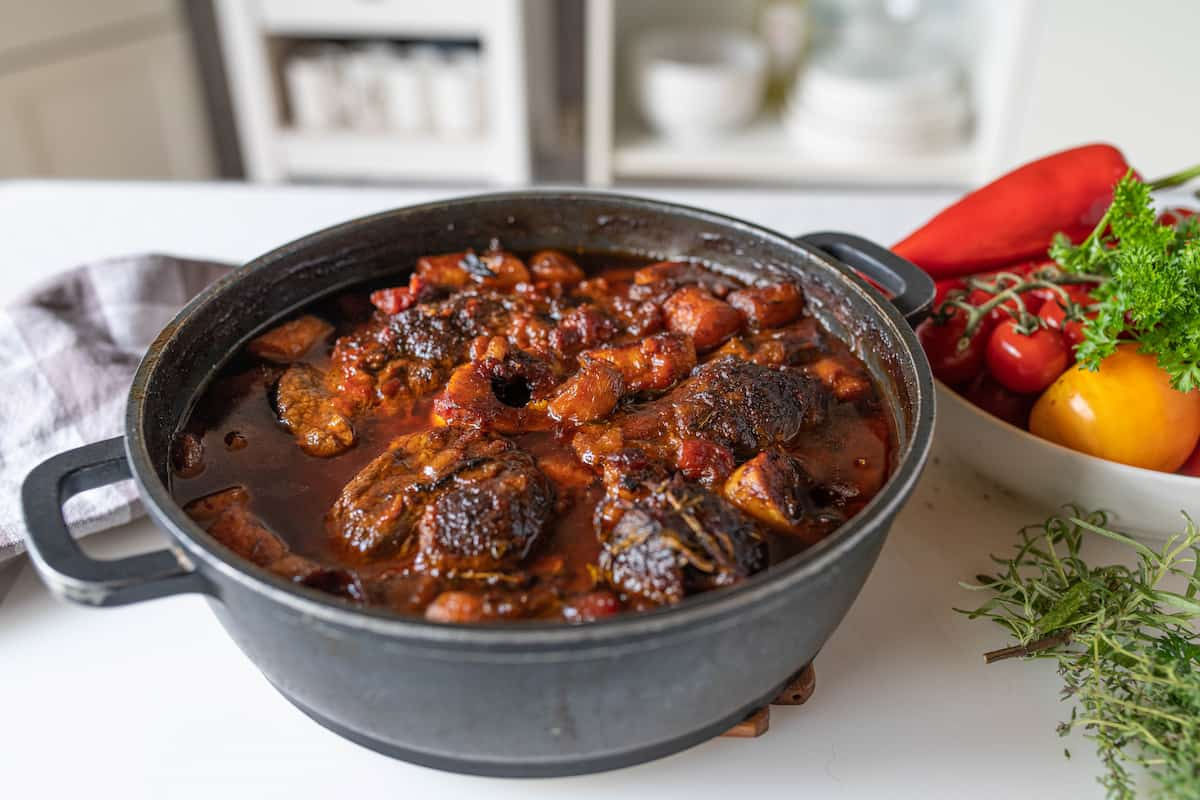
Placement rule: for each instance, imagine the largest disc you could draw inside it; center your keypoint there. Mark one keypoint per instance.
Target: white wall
(1124, 72)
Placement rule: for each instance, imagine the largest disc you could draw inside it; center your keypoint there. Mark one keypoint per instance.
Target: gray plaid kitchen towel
(68, 350)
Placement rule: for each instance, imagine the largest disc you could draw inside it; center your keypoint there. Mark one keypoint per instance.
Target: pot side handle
(911, 289)
(63, 565)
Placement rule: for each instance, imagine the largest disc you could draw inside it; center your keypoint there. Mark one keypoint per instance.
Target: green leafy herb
(1152, 286)
(1126, 648)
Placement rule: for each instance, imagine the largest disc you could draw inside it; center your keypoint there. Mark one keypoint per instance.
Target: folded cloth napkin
(68, 350)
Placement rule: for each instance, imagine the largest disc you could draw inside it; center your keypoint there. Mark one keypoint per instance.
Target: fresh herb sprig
(1152, 291)
(1126, 647)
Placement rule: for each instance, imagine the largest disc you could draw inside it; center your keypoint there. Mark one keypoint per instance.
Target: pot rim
(710, 607)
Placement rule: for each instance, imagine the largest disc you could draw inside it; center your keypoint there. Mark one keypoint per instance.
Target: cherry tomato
(987, 393)
(1026, 363)
(1126, 412)
(1054, 316)
(940, 340)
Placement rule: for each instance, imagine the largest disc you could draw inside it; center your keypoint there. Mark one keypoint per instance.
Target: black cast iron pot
(515, 699)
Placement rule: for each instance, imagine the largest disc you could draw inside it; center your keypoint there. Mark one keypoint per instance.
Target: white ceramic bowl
(1140, 501)
(694, 85)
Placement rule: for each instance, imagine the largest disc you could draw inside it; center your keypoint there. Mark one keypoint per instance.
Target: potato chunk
(709, 321)
(774, 488)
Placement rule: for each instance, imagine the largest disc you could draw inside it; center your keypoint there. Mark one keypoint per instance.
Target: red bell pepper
(1015, 217)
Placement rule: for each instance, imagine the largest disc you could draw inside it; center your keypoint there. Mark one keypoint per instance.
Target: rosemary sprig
(1125, 646)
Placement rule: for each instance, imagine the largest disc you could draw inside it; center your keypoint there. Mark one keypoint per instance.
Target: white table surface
(154, 701)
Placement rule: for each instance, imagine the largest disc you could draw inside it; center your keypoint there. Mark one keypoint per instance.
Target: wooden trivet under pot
(795, 693)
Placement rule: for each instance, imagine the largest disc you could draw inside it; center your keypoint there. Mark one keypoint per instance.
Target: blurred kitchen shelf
(256, 37)
(382, 156)
(617, 148)
(764, 153)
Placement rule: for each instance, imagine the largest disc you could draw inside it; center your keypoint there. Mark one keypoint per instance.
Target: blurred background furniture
(100, 89)
(841, 93)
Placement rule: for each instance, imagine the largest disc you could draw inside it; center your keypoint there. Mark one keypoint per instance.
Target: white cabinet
(108, 93)
(256, 36)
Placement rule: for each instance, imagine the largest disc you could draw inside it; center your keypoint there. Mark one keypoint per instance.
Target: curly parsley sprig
(1127, 648)
(1152, 287)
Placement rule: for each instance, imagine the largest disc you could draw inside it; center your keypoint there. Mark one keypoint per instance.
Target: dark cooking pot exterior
(515, 699)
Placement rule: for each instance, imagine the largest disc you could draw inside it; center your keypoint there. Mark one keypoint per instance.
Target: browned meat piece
(640, 316)
(769, 306)
(410, 354)
(776, 489)
(555, 266)
(747, 407)
(797, 344)
(589, 395)
(288, 342)
(654, 364)
(706, 319)
(306, 407)
(581, 327)
(475, 501)
(673, 274)
(187, 455)
(733, 404)
(664, 541)
(226, 516)
(494, 269)
(502, 389)
(488, 516)
(848, 383)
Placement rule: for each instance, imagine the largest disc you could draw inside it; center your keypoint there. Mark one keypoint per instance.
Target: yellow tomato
(1125, 412)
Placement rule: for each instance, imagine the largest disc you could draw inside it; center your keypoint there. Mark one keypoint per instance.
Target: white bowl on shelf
(695, 85)
(1141, 501)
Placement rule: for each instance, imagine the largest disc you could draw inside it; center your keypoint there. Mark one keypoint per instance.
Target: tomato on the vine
(1026, 362)
(1054, 315)
(940, 337)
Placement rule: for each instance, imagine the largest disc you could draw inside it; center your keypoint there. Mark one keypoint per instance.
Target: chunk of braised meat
(848, 383)
(492, 604)
(395, 299)
(639, 315)
(776, 489)
(555, 266)
(653, 364)
(226, 516)
(290, 341)
(769, 306)
(673, 274)
(306, 407)
(581, 327)
(697, 313)
(747, 407)
(473, 500)
(728, 403)
(664, 541)
(407, 355)
(589, 395)
(793, 345)
(502, 389)
(187, 455)
(495, 269)
(487, 517)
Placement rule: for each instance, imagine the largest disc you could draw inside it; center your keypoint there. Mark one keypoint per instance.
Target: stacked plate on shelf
(863, 102)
